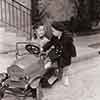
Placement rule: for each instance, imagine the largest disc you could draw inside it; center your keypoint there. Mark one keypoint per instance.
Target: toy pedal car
(6, 88)
(24, 77)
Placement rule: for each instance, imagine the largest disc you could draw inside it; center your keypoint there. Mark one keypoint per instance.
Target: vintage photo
(49, 49)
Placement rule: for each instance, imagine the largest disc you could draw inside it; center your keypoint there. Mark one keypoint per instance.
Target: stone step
(2, 29)
(7, 48)
(8, 40)
(2, 25)
(18, 32)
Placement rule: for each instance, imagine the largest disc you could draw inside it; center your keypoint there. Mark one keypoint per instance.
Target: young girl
(42, 41)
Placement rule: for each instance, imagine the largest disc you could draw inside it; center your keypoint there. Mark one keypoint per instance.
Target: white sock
(65, 80)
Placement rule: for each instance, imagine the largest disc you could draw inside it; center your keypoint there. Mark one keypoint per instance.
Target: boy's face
(56, 32)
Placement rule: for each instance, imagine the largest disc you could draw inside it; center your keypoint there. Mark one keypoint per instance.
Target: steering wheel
(32, 49)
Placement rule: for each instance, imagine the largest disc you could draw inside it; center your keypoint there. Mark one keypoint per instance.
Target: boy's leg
(63, 75)
(60, 67)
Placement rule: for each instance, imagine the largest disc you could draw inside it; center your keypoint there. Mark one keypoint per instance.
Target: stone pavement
(84, 82)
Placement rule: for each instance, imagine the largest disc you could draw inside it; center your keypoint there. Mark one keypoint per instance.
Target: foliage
(88, 11)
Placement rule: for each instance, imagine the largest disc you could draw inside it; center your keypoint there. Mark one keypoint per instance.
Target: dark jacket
(66, 41)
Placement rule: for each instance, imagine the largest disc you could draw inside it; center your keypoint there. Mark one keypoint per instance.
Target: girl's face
(40, 31)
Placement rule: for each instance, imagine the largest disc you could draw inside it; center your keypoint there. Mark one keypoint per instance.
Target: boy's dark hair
(60, 26)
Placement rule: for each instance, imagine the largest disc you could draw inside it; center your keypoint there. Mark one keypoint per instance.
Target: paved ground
(83, 82)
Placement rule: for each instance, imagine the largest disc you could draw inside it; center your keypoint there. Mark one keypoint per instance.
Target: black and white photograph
(49, 49)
